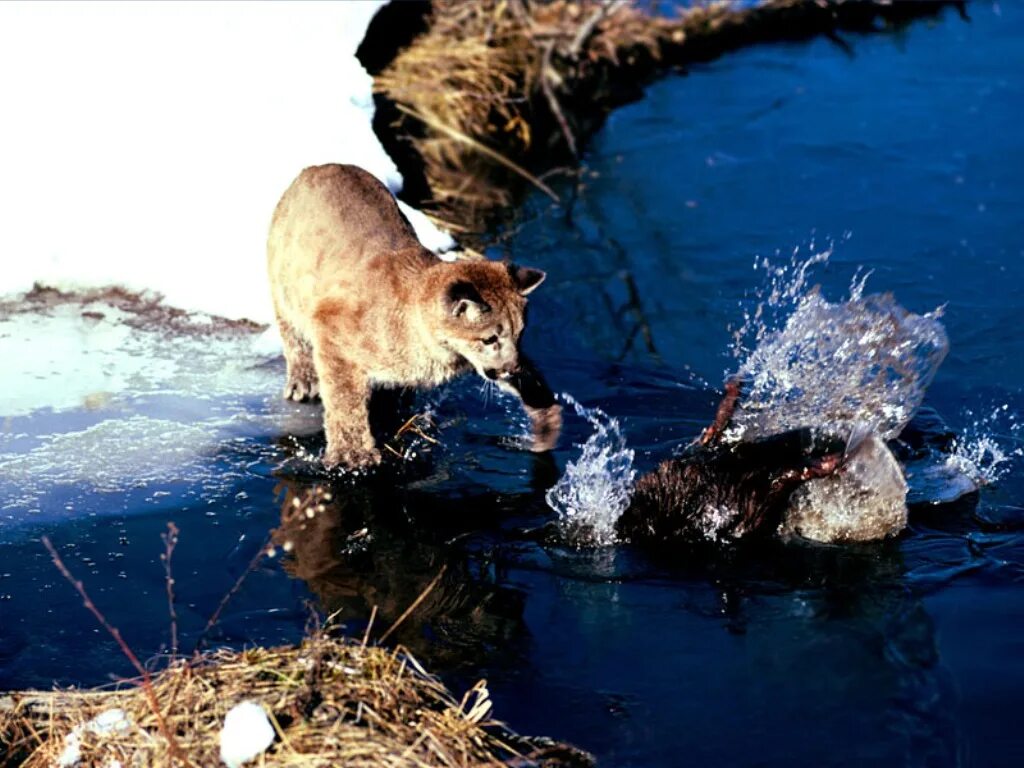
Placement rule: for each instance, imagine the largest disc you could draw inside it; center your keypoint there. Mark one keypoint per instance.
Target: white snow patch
(110, 721)
(146, 144)
(247, 733)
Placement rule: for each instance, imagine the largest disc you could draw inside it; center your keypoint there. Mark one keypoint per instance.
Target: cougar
(360, 304)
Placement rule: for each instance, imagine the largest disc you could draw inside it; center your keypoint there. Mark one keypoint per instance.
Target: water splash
(595, 489)
(983, 452)
(808, 362)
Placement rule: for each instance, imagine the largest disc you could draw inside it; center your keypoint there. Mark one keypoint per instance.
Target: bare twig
(587, 28)
(724, 414)
(415, 603)
(170, 542)
(147, 684)
(260, 554)
(369, 625)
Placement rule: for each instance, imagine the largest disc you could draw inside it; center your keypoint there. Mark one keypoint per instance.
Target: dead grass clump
(331, 702)
(496, 91)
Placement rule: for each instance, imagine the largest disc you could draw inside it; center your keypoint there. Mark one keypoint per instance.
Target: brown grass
(332, 702)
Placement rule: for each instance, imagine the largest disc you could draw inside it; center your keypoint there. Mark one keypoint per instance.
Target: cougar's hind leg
(302, 382)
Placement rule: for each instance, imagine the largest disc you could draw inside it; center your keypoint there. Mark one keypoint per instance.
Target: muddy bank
(490, 99)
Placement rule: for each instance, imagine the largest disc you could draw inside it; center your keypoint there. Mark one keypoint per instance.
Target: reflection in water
(360, 550)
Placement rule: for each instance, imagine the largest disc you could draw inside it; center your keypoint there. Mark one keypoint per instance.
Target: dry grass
(332, 702)
(497, 93)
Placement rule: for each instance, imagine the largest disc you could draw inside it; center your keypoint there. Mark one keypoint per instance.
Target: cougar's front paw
(547, 426)
(350, 458)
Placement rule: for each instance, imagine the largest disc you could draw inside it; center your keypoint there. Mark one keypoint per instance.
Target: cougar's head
(481, 311)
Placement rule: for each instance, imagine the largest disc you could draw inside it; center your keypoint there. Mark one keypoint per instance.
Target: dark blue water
(906, 157)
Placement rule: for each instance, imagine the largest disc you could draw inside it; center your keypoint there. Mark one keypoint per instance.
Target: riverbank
(329, 702)
(494, 98)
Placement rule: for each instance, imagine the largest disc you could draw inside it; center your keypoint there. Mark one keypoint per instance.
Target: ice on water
(93, 405)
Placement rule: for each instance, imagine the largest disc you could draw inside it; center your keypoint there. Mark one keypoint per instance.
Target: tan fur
(360, 303)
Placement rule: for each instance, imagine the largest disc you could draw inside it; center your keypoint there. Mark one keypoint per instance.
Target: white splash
(808, 362)
(595, 489)
(983, 452)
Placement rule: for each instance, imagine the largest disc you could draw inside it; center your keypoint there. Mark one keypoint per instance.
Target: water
(864, 361)
(903, 159)
(594, 488)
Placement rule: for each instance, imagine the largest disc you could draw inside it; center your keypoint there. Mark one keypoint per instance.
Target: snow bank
(146, 144)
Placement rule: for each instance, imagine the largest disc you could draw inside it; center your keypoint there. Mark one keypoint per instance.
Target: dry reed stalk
(145, 683)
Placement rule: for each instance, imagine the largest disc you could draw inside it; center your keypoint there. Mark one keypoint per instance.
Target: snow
(110, 721)
(247, 733)
(146, 144)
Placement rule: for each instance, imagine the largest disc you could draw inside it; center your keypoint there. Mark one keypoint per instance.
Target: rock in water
(867, 500)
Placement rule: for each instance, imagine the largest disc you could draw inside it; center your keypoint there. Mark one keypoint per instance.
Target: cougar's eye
(490, 340)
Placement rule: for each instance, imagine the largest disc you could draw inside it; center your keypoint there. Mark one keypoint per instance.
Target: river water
(899, 156)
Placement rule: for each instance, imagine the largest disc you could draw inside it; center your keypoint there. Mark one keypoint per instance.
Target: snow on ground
(146, 144)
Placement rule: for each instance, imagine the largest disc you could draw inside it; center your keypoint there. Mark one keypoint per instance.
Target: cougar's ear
(463, 300)
(526, 278)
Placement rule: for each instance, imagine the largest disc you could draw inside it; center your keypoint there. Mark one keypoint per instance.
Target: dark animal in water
(720, 491)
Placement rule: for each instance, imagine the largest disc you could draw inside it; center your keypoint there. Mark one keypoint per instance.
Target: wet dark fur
(751, 481)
